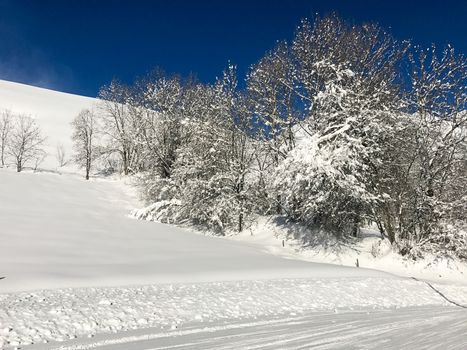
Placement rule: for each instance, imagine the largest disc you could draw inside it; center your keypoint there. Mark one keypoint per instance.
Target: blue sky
(77, 46)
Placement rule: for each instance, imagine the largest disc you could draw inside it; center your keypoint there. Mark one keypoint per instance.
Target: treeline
(343, 126)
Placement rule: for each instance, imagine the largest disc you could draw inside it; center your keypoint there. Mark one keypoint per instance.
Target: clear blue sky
(77, 46)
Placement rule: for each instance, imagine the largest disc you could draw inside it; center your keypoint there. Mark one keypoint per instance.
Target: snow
(66, 314)
(76, 264)
(79, 270)
(370, 250)
(61, 231)
(52, 110)
(411, 328)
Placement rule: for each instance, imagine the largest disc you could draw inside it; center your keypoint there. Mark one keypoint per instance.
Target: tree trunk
(88, 168)
(240, 220)
(125, 162)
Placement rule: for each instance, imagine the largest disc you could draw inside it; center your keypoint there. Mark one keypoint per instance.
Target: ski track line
(152, 336)
(314, 330)
(342, 335)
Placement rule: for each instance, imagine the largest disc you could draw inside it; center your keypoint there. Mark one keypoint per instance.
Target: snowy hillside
(59, 231)
(52, 110)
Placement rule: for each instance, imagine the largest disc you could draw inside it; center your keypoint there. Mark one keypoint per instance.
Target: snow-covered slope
(369, 250)
(61, 231)
(52, 110)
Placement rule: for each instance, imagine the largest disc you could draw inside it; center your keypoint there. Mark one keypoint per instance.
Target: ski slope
(52, 110)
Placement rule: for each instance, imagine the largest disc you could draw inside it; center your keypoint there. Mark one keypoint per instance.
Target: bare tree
(6, 125)
(84, 136)
(118, 125)
(26, 141)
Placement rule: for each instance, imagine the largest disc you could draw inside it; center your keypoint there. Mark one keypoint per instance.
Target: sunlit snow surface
(77, 266)
(408, 328)
(59, 231)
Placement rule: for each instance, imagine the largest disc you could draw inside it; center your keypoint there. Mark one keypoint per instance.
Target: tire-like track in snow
(406, 328)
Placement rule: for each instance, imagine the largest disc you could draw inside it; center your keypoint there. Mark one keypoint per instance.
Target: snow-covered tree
(434, 189)
(159, 108)
(328, 181)
(275, 107)
(195, 136)
(270, 89)
(212, 162)
(347, 79)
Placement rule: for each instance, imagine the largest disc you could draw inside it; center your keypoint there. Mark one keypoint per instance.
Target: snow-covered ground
(409, 328)
(66, 242)
(80, 271)
(61, 231)
(369, 249)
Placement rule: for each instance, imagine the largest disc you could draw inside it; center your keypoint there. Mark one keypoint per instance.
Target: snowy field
(80, 273)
